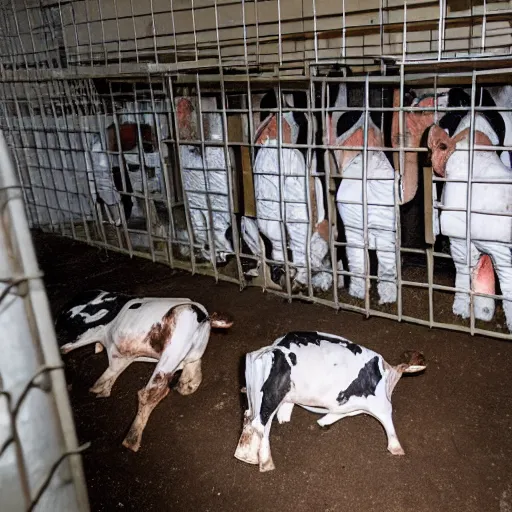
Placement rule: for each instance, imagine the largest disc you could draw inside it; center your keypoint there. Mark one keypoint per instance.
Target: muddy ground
(454, 421)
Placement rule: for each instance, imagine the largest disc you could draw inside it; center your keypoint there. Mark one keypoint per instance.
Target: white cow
(491, 233)
(173, 333)
(323, 373)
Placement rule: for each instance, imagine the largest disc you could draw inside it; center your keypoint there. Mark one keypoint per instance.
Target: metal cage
(206, 135)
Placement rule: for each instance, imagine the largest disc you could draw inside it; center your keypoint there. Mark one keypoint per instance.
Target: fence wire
(281, 145)
(40, 466)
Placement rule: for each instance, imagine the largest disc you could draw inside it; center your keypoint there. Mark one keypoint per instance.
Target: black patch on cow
(269, 100)
(495, 119)
(276, 386)
(302, 338)
(293, 358)
(457, 97)
(347, 121)
(201, 315)
(135, 305)
(69, 328)
(364, 384)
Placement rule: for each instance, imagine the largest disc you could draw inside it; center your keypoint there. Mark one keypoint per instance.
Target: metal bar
(234, 226)
(166, 176)
(180, 164)
(43, 321)
(365, 199)
(282, 220)
(468, 203)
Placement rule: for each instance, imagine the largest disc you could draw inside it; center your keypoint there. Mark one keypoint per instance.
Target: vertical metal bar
(279, 44)
(104, 46)
(64, 39)
(153, 30)
(88, 23)
(88, 160)
(234, 225)
(174, 35)
(206, 174)
(122, 167)
(307, 178)
(282, 206)
(468, 201)
(137, 58)
(165, 174)
(430, 247)
(315, 31)
(484, 26)
(22, 46)
(441, 27)
(196, 49)
(185, 198)
(365, 197)
(256, 16)
(343, 33)
(331, 204)
(118, 36)
(110, 159)
(142, 160)
(401, 136)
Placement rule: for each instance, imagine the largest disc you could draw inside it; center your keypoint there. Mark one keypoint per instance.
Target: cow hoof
(325, 427)
(100, 393)
(267, 466)
(186, 389)
(133, 447)
(396, 450)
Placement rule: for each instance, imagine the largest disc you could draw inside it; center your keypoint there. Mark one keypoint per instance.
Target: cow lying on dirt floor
(173, 333)
(323, 373)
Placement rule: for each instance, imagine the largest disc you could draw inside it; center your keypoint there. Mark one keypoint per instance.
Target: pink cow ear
(441, 146)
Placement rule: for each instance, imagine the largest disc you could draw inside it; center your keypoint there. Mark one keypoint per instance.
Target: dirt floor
(454, 421)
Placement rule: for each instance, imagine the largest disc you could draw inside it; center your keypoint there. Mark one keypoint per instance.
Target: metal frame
(90, 36)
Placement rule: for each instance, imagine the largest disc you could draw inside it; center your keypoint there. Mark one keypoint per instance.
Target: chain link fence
(40, 465)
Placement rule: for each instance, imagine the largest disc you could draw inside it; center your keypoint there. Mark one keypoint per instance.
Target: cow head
(186, 117)
(443, 146)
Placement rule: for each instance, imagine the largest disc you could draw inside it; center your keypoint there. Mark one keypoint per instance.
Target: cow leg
(385, 417)
(149, 397)
(264, 454)
(385, 247)
(502, 260)
(355, 255)
(191, 378)
(95, 335)
(284, 413)
(117, 364)
(249, 442)
(483, 306)
(333, 417)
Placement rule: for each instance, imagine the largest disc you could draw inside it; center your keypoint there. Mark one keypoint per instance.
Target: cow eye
(443, 146)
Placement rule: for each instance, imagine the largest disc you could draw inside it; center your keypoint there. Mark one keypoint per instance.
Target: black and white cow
(171, 332)
(322, 373)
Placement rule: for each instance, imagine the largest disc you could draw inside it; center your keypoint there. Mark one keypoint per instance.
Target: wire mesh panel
(354, 156)
(40, 468)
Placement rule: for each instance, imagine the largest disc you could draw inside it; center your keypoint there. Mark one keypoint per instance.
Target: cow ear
(442, 147)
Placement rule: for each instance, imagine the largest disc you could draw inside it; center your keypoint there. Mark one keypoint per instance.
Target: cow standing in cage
(205, 178)
(173, 333)
(112, 186)
(490, 233)
(380, 227)
(280, 185)
(323, 373)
